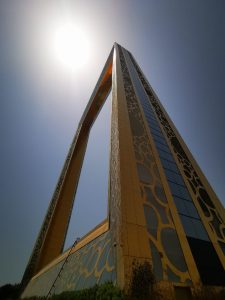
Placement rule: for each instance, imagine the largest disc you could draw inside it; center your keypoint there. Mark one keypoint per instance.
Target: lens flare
(71, 47)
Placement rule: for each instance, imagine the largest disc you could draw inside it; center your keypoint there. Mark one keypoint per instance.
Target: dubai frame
(161, 208)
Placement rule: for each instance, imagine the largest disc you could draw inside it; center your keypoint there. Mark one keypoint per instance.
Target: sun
(71, 46)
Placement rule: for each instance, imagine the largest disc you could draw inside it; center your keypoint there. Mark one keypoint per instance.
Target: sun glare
(71, 47)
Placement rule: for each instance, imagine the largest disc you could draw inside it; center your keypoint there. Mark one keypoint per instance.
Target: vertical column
(126, 214)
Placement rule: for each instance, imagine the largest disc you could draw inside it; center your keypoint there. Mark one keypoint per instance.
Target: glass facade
(194, 229)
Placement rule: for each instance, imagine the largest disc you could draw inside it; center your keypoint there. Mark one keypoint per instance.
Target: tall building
(161, 207)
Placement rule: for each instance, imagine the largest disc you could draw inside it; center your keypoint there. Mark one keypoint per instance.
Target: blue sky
(179, 45)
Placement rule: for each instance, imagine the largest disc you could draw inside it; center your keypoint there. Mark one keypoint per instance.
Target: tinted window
(159, 139)
(156, 132)
(172, 176)
(192, 211)
(163, 147)
(170, 165)
(181, 208)
(188, 226)
(165, 155)
(179, 190)
(156, 127)
(200, 230)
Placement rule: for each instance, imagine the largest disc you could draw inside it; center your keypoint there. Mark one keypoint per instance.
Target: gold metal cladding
(126, 214)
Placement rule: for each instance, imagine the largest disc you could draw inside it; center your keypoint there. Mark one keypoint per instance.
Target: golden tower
(161, 207)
